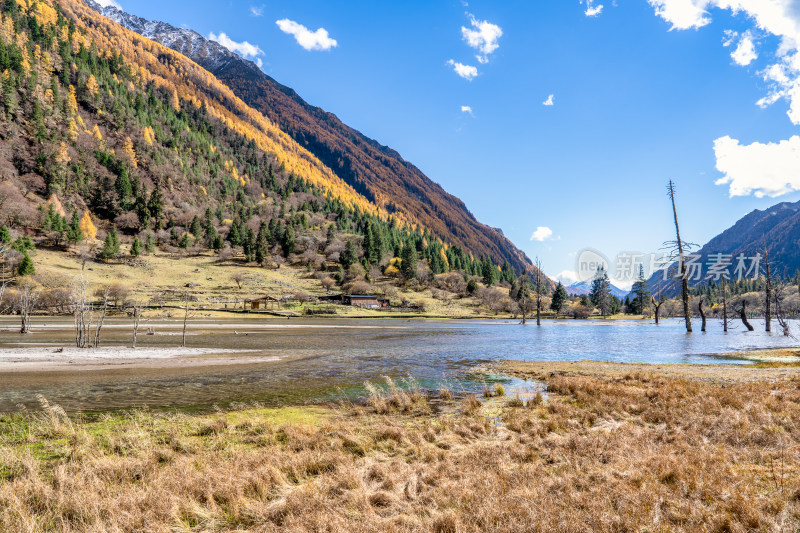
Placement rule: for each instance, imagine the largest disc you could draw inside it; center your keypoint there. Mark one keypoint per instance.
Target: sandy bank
(542, 370)
(53, 358)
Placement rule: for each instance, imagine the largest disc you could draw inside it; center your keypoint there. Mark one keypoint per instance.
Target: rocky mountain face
(377, 172)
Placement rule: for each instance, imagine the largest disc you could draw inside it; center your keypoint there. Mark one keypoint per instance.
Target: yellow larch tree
(91, 85)
(129, 152)
(88, 228)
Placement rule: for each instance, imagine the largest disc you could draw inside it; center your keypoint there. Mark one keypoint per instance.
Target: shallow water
(325, 359)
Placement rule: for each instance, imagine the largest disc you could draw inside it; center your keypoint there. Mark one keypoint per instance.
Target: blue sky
(642, 91)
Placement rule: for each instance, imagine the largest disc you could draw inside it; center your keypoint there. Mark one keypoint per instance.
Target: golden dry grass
(210, 280)
(631, 452)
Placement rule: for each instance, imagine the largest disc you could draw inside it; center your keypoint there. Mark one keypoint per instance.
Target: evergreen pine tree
(559, 299)
(26, 267)
(408, 263)
(287, 242)
(488, 271)
(136, 247)
(349, 255)
(74, 233)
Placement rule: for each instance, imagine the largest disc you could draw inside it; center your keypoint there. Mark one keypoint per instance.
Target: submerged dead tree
(702, 315)
(185, 319)
(767, 290)
(679, 245)
(658, 300)
(82, 310)
(743, 315)
(136, 313)
(539, 282)
(780, 314)
(724, 304)
(27, 296)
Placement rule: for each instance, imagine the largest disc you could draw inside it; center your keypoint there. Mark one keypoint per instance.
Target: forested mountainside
(102, 128)
(376, 171)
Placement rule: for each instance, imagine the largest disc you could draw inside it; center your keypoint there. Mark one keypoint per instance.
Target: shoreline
(719, 374)
(55, 358)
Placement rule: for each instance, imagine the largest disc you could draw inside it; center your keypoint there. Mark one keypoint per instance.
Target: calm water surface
(320, 359)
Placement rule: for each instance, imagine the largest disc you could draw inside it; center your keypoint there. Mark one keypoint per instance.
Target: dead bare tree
(136, 312)
(724, 304)
(539, 287)
(702, 315)
(82, 310)
(743, 315)
(658, 300)
(767, 290)
(780, 314)
(105, 296)
(27, 296)
(679, 245)
(185, 319)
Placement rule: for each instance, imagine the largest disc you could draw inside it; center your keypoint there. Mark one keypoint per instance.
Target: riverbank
(615, 448)
(714, 374)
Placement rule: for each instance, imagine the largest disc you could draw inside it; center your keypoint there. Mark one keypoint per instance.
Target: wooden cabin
(262, 302)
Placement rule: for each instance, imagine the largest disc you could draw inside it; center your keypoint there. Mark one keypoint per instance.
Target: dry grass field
(210, 282)
(612, 451)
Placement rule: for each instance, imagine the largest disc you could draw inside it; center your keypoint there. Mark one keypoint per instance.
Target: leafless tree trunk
(779, 313)
(137, 315)
(702, 315)
(682, 260)
(539, 290)
(185, 320)
(82, 310)
(28, 295)
(767, 290)
(724, 305)
(743, 314)
(103, 311)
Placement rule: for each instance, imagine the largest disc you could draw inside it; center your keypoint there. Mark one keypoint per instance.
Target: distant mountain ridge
(580, 288)
(777, 227)
(377, 172)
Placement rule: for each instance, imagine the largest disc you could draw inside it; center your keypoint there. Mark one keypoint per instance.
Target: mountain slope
(103, 131)
(778, 227)
(375, 171)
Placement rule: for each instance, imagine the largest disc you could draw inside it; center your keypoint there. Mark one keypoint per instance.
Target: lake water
(323, 359)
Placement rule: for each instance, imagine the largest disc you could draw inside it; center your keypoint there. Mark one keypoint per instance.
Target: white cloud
(310, 40)
(779, 18)
(770, 169)
(467, 109)
(542, 234)
(550, 101)
(257, 11)
(244, 48)
(682, 14)
(468, 72)
(591, 9)
(745, 52)
(483, 36)
(107, 3)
